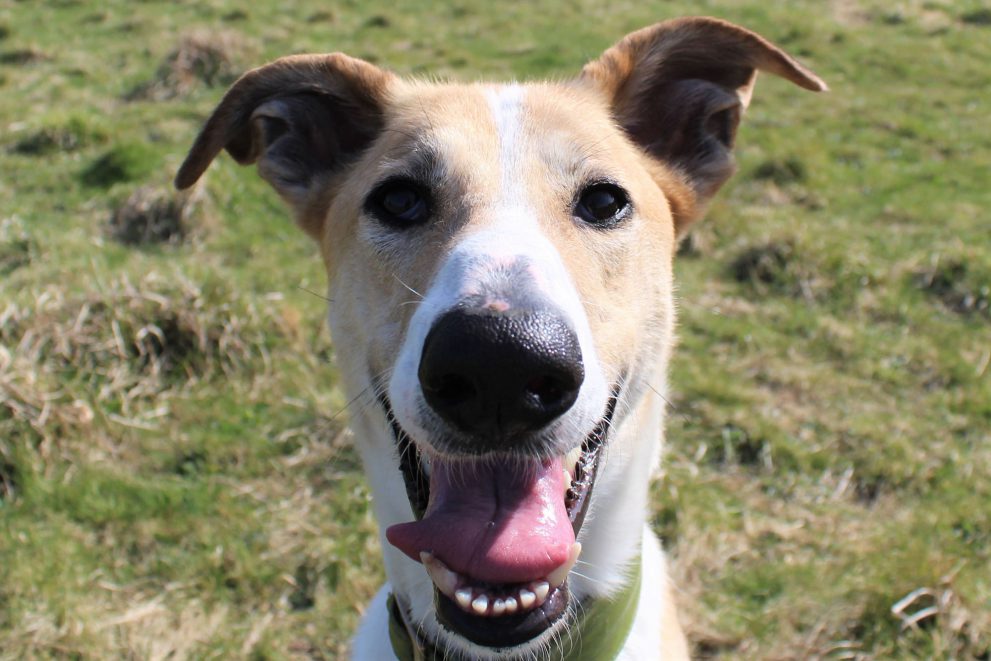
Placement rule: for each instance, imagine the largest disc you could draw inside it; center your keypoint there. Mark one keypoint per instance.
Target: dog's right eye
(399, 202)
(603, 205)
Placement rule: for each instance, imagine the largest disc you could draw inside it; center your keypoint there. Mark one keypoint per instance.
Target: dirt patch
(782, 172)
(303, 596)
(14, 254)
(9, 480)
(23, 56)
(980, 17)
(321, 17)
(775, 267)
(202, 58)
(957, 285)
(765, 264)
(124, 162)
(65, 137)
(235, 15)
(378, 21)
(736, 446)
(155, 215)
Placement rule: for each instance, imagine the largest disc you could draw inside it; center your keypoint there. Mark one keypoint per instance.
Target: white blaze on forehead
(506, 104)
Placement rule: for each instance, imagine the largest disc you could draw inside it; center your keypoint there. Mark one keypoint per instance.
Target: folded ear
(679, 88)
(299, 118)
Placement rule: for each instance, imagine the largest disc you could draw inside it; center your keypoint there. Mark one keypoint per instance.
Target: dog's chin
(498, 608)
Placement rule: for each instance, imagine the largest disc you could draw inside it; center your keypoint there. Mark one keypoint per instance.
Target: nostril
(546, 389)
(451, 389)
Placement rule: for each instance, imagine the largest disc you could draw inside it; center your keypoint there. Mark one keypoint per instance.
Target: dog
(500, 270)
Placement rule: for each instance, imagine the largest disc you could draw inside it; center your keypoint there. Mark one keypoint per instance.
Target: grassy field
(175, 478)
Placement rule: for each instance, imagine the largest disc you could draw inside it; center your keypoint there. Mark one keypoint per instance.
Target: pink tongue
(494, 522)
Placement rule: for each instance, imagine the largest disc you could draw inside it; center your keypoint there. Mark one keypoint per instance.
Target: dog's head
(499, 260)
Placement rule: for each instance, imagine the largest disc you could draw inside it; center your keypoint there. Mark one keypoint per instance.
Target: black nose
(499, 375)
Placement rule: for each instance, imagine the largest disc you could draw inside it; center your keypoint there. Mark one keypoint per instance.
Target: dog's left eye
(602, 205)
(399, 202)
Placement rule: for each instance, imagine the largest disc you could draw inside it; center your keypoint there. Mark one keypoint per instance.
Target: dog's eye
(602, 205)
(399, 202)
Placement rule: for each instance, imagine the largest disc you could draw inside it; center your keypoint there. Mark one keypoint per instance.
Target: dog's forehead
(479, 129)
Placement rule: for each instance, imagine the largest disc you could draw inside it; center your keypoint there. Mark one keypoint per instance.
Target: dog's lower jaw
(614, 538)
(653, 633)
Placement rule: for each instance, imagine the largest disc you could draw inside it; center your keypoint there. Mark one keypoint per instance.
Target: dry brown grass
(201, 58)
(158, 214)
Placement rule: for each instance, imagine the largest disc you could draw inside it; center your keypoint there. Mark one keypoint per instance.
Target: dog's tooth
(541, 589)
(463, 597)
(556, 577)
(481, 604)
(498, 607)
(445, 579)
(511, 605)
(527, 598)
(571, 460)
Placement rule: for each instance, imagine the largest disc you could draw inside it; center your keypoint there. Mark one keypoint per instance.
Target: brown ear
(299, 117)
(679, 88)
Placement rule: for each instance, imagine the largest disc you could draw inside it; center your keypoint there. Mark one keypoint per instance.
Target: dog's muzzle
(501, 491)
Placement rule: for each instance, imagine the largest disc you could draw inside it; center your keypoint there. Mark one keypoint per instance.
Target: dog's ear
(679, 88)
(299, 118)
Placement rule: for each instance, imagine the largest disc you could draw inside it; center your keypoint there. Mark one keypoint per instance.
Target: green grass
(174, 475)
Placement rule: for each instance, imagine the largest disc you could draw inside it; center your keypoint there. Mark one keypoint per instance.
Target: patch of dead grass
(158, 214)
(120, 348)
(202, 58)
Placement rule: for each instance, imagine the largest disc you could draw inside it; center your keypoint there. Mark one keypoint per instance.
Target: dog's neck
(599, 631)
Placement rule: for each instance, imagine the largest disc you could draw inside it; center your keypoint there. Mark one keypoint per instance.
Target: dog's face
(499, 260)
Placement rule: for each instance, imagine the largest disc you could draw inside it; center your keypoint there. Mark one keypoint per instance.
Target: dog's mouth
(497, 534)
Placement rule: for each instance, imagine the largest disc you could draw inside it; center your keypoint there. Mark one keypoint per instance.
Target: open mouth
(497, 535)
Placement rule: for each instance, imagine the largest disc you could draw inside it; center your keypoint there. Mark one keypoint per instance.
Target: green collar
(600, 632)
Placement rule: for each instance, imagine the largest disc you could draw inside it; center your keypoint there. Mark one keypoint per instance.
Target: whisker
(376, 388)
(588, 578)
(313, 293)
(400, 280)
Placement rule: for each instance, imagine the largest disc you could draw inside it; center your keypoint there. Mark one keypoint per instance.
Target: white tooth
(481, 604)
(556, 577)
(571, 459)
(527, 598)
(511, 604)
(445, 579)
(541, 588)
(498, 607)
(463, 597)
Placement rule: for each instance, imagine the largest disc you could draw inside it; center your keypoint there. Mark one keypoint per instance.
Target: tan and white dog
(500, 268)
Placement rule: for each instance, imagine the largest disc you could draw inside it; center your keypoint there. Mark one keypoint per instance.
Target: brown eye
(602, 205)
(399, 202)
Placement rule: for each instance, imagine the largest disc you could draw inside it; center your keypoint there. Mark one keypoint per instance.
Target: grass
(175, 478)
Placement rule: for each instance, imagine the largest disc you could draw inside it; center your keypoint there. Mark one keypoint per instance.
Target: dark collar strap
(600, 631)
